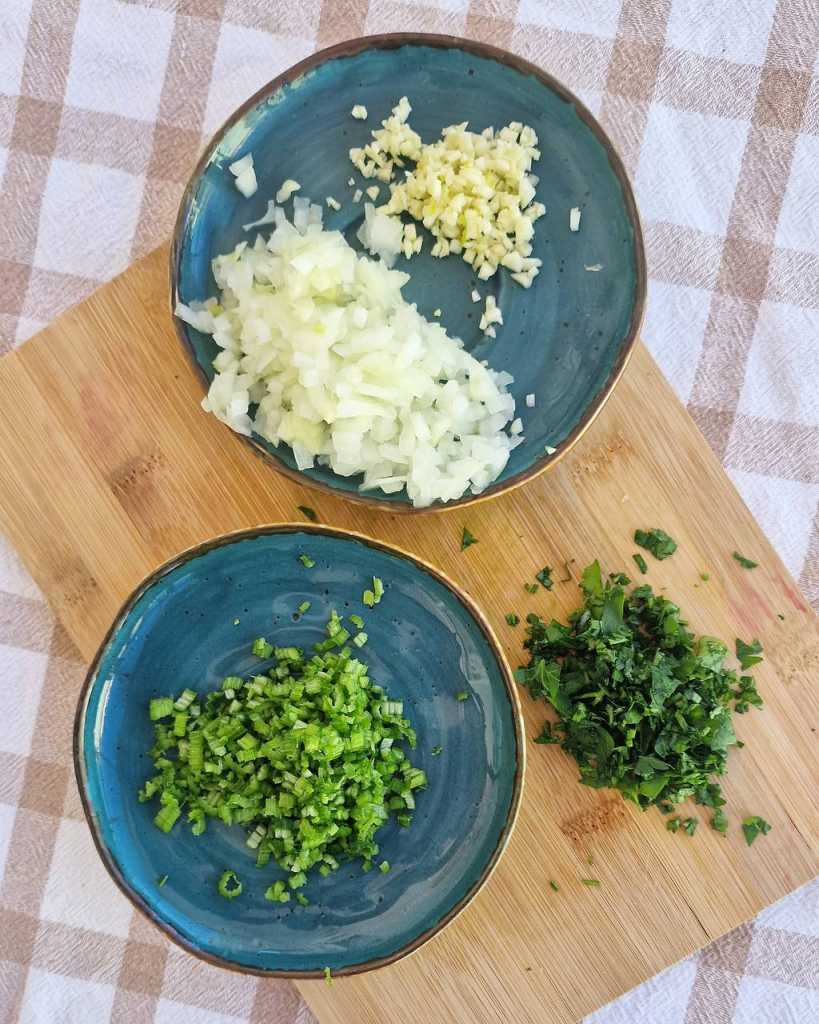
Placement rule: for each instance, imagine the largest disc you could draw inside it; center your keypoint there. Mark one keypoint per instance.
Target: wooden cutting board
(108, 467)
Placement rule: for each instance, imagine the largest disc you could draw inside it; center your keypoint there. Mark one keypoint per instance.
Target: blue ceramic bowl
(426, 642)
(566, 339)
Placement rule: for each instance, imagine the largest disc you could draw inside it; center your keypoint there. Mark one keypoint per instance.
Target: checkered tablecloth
(104, 105)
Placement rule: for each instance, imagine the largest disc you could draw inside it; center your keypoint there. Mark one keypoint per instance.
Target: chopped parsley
(719, 821)
(545, 577)
(705, 576)
(467, 539)
(779, 615)
(690, 826)
(643, 705)
(673, 824)
(746, 563)
(436, 751)
(554, 886)
(512, 619)
(753, 827)
(656, 541)
(748, 655)
(308, 513)
(530, 588)
(641, 563)
(593, 883)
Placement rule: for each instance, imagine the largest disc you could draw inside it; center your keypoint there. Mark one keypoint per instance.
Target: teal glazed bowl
(566, 339)
(427, 641)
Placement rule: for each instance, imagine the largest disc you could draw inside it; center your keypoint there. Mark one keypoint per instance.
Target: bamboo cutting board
(108, 467)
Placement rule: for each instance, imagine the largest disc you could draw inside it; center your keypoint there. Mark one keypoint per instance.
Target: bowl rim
(390, 41)
(92, 818)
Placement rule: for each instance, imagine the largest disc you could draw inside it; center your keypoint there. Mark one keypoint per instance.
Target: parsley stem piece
(593, 883)
(641, 563)
(554, 886)
(746, 563)
(531, 588)
(308, 513)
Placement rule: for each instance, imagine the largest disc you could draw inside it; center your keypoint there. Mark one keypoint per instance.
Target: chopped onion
(320, 350)
(359, 112)
(245, 176)
(287, 190)
(268, 218)
(530, 401)
(574, 219)
(382, 235)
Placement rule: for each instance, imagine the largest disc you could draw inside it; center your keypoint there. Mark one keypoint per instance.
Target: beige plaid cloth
(104, 105)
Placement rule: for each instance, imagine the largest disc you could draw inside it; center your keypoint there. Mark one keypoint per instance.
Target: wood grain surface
(108, 467)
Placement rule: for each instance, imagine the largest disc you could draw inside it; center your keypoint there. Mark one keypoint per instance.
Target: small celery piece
(229, 885)
(302, 900)
(184, 700)
(328, 976)
(462, 695)
(306, 561)
(168, 812)
(304, 607)
(357, 621)
(160, 707)
(308, 758)
(384, 867)
(261, 648)
(360, 639)
(378, 589)
(368, 598)
(277, 893)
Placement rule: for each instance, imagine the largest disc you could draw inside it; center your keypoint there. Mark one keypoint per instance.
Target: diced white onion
(574, 219)
(287, 190)
(319, 350)
(530, 401)
(359, 112)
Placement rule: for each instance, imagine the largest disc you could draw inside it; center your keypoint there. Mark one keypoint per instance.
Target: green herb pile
(305, 756)
(644, 705)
